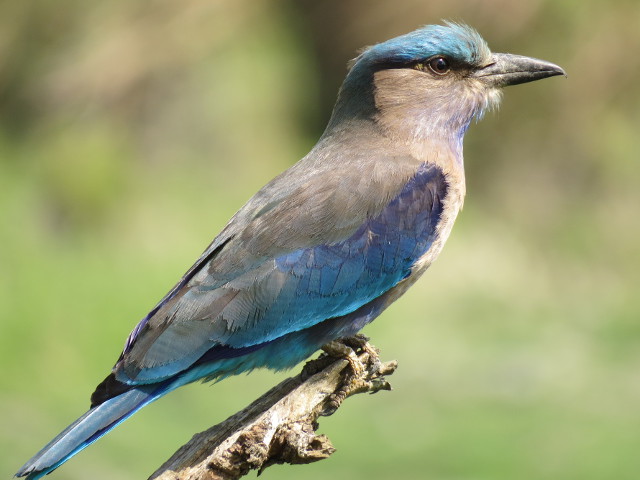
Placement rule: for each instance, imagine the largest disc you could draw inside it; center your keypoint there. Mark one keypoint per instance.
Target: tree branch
(279, 427)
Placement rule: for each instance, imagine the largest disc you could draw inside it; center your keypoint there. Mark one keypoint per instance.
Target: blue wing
(252, 287)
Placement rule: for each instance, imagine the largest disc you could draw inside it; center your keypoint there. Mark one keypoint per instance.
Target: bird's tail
(89, 427)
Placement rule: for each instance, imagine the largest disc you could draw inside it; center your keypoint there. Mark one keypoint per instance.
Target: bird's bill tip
(506, 69)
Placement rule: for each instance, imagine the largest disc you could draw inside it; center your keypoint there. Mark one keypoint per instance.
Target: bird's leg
(366, 368)
(341, 349)
(360, 341)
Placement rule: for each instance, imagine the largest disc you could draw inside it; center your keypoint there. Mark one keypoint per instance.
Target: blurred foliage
(131, 131)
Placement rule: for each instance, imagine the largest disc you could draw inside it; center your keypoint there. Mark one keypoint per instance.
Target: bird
(326, 246)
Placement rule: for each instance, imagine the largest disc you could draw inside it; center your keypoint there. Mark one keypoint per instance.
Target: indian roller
(322, 249)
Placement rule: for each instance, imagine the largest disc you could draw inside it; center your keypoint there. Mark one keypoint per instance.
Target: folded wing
(319, 251)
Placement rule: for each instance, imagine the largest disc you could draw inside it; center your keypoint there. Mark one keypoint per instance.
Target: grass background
(131, 132)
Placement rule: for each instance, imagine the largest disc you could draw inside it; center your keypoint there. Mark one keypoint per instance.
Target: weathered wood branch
(279, 427)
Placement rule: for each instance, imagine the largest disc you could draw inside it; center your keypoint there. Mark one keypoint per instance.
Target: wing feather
(267, 279)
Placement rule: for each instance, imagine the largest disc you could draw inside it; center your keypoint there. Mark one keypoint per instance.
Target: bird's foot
(366, 369)
(356, 350)
(342, 349)
(360, 342)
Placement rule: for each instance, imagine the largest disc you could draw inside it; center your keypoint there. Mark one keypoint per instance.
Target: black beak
(506, 69)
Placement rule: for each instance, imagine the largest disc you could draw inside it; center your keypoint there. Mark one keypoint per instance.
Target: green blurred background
(131, 131)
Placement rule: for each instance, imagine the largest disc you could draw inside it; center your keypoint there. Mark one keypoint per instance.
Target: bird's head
(432, 82)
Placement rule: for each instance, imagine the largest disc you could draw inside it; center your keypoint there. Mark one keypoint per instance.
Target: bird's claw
(366, 369)
(341, 349)
(360, 341)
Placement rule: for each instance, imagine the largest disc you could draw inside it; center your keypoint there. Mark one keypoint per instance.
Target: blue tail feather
(88, 428)
(102, 418)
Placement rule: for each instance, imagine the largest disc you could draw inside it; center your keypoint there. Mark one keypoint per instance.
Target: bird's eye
(439, 65)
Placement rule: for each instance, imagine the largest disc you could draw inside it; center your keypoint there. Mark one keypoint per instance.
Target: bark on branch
(279, 427)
